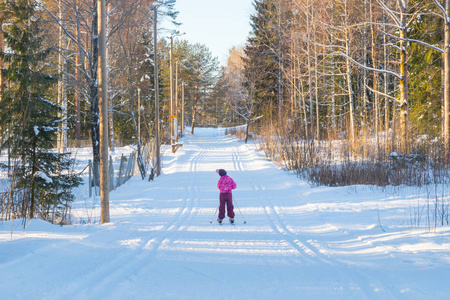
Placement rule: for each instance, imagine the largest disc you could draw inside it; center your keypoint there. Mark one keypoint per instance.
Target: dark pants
(226, 198)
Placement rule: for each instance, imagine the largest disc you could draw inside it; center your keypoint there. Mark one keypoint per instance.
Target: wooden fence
(129, 166)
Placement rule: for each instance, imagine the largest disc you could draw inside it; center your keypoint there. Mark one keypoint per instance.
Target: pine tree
(43, 178)
(199, 69)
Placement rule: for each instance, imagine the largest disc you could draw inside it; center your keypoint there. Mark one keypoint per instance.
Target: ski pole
(210, 222)
(245, 222)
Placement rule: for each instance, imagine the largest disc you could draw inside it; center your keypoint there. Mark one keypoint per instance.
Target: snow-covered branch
(366, 67)
(390, 13)
(380, 93)
(68, 34)
(414, 41)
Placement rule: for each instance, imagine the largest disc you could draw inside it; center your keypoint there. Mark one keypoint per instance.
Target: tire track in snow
(109, 276)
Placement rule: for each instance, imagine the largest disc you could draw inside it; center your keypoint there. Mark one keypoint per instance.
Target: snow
(44, 176)
(298, 242)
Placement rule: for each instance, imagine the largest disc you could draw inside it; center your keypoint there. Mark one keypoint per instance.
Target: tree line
(371, 74)
(49, 90)
(319, 82)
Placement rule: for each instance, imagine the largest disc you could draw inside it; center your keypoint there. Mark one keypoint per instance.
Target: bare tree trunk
(333, 101)
(1, 67)
(280, 65)
(404, 105)
(316, 77)
(62, 95)
(376, 105)
(303, 107)
(78, 102)
(111, 124)
(110, 99)
(171, 112)
(387, 104)
(63, 80)
(333, 89)
(194, 109)
(65, 109)
(351, 126)
(80, 66)
(311, 102)
(1, 97)
(292, 81)
(93, 95)
(446, 129)
(366, 127)
(58, 136)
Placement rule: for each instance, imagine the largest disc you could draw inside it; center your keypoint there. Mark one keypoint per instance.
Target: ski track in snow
(298, 242)
(106, 279)
(307, 252)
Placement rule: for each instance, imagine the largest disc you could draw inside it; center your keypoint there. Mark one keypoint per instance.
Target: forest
(347, 92)
(341, 92)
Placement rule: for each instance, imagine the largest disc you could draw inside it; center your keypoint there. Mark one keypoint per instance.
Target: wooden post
(127, 172)
(120, 180)
(133, 164)
(176, 104)
(111, 174)
(103, 114)
(139, 116)
(182, 108)
(90, 178)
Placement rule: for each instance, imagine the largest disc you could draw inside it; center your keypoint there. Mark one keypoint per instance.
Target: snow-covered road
(298, 242)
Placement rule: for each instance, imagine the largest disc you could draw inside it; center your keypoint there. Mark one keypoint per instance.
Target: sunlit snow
(298, 242)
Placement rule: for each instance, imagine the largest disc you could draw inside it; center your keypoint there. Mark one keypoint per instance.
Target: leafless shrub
(238, 131)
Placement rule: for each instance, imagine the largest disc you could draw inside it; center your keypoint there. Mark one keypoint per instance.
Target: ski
(231, 223)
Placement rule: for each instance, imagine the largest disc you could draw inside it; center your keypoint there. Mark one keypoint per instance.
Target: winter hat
(222, 172)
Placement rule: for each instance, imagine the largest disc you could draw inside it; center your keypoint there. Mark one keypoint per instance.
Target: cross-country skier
(226, 184)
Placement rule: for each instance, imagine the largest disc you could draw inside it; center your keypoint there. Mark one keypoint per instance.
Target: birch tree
(444, 10)
(240, 84)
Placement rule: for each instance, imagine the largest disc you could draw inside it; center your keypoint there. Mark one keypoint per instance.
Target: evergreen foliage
(43, 179)
(266, 54)
(261, 53)
(199, 69)
(425, 70)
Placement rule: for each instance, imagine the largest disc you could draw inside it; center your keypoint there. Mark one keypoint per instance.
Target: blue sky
(218, 24)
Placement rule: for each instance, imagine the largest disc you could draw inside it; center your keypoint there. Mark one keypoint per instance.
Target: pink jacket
(226, 184)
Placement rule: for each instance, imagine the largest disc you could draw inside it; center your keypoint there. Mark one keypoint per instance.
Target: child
(226, 184)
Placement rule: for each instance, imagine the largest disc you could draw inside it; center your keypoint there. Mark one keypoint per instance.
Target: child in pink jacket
(226, 184)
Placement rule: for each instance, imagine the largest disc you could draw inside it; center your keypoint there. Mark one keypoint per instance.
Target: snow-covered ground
(298, 242)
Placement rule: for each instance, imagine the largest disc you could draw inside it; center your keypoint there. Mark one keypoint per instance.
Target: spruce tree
(264, 53)
(43, 178)
(425, 67)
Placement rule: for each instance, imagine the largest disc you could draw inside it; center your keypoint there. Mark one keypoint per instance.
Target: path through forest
(298, 242)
